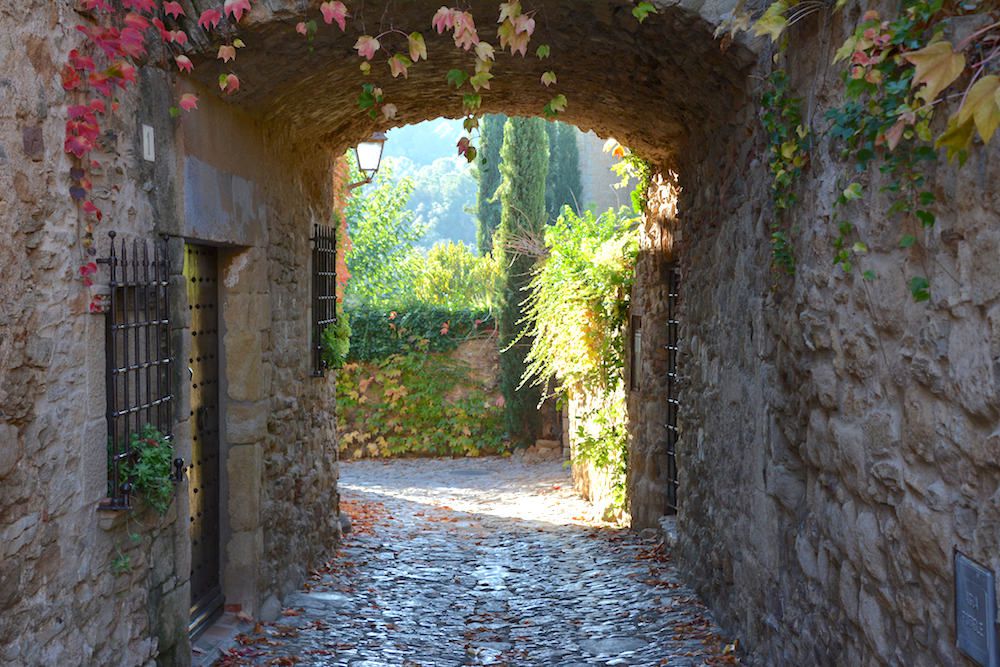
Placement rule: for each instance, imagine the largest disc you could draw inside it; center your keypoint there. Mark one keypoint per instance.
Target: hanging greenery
(899, 73)
(148, 470)
(576, 314)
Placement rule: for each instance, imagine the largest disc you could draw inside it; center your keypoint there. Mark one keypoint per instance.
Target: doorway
(201, 273)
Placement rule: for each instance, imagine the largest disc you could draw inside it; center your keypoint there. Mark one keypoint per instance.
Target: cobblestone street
(484, 562)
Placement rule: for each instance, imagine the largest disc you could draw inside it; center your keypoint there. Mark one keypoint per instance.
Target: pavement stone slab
(492, 561)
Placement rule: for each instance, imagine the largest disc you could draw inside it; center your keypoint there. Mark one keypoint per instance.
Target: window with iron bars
(673, 403)
(138, 358)
(324, 306)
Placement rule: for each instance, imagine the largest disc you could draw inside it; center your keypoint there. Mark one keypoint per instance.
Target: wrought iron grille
(138, 357)
(673, 325)
(324, 310)
(635, 354)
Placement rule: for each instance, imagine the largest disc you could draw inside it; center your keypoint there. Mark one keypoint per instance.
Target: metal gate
(201, 274)
(673, 324)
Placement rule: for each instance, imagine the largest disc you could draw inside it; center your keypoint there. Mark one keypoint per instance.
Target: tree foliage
(488, 165)
(450, 275)
(443, 198)
(522, 195)
(383, 236)
(563, 187)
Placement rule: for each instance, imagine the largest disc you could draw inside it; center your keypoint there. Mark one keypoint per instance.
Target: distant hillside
(445, 185)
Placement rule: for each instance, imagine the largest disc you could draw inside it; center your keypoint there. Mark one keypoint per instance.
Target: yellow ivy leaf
(773, 22)
(937, 65)
(957, 138)
(846, 49)
(982, 105)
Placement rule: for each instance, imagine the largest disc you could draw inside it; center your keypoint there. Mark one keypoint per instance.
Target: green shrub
(378, 333)
(416, 402)
(337, 341)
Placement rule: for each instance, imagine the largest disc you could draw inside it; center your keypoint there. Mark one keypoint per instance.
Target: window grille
(635, 354)
(673, 325)
(324, 310)
(139, 363)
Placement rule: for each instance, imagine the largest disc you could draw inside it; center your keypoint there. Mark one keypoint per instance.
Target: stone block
(244, 482)
(11, 448)
(243, 553)
(244, 361)
(786, 486)
(246, 423)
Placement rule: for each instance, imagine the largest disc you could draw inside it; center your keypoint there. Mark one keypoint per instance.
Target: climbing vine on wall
(900, 72)
(416, 402)
(788, 139)
(576, 311)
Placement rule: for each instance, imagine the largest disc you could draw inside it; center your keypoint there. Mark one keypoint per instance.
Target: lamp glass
(369, 154)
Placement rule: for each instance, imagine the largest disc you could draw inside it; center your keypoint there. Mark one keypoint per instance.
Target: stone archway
(256, 173)
(657, 86)
(663, 87)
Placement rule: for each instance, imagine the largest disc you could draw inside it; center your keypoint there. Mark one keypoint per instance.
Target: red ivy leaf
(174, 9)
(209, 19)
(235, 8)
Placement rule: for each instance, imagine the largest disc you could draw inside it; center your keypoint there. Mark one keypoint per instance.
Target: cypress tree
(523, 170)
(570, 190)
(552, 181)
(488, 170)
(563, 183)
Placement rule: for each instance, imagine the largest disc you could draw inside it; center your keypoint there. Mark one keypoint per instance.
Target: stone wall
(838, 440)
(60, 600)
(220, 178)
(253, 188)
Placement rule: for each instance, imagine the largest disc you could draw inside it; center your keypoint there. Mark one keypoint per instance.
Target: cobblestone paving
(484, 562)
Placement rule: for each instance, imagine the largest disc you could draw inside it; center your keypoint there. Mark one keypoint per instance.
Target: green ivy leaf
(457, 78)
(853, 192)
(642, 11)
(920, 289)
(907, 241)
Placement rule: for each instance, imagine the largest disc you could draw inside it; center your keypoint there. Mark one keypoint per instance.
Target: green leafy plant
(149, 469)
(417, 403)
(377, 334)
(576, 312)
(605, 443)
(631, 167)
(579, 299)
(900, 72)
(788, 142)
(336, 341)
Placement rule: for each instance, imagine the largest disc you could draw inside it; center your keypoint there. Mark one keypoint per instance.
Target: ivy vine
(789, 142)
(900, 71)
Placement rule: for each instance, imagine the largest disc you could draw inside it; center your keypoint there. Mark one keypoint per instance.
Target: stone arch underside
(656, 86)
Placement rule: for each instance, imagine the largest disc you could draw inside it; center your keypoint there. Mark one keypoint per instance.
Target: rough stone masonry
(837, 441)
